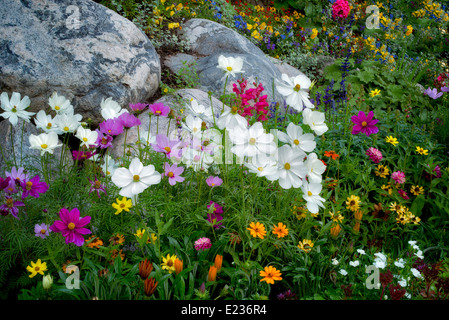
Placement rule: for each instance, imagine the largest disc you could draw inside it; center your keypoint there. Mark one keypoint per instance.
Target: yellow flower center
(296, 141)
(43, 231)
(29, 184)
(167, 149)
(309, 193)
(36, 268)
(10, 203)
(136, 178)
(297, 87)
(229, 68)
(287, 166)
(85, 139)
(57, 108)
(71, 226)
(260, 169)
(122, 205)
(49, 125)
(170, 174)
(44, 146)
(364, 124)
(66, 128)
(158, 111)
(252, 141)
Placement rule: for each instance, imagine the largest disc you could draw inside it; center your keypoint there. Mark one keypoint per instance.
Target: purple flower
(128, 120)
(398, 177)
(33, 187)
(164, 145)
(436, 173)
(138, 107)
(104, 140)
(173, 173)
(11, 188)
(4, 182)
(214, 181)
(203, 244)
(41, 230)
(374, 154)
(364, 123)
(214, 215)
(111, 127)
(82, 155)
(10, 206)
(158, 109)
(71, 226)
(403, 194)
(18, 175)
(445, 89)
(433, 93)
(97, 186)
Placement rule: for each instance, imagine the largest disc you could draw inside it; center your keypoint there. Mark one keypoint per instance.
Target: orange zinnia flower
(270, 274)
(257, 230)
(331, 154)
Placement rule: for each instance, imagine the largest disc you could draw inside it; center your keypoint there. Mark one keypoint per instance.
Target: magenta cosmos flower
(111, 127)
(33, 187)
(214, 215)
(103, 140)
(214, 181)
(374, 154)
(11, 206)
(364, 123)
(398, 177)
(138, 107)
(158, 109)
(203, 244)
(173, 173)
(128, 120)
(71, 226)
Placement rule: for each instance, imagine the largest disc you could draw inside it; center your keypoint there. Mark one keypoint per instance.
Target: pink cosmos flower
(41, 230)
(203, 244)
(71, 226)
(364, 123)
(111, 127)
(173, 173)
(433, 93)
(164, 145)
(158, 109)
(214, 181)
(82, 155)
(340, 9)
(138, 107)
(18, 175)
(398, 177)
(128, 120)
(33, 187)
(374, 154)
(103, 140)
(11, 206)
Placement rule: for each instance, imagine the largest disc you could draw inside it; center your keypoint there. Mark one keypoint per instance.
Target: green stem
(12, 145)
(224, 93)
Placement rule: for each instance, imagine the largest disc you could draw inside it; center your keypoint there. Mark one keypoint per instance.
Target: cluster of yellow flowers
(404, 215)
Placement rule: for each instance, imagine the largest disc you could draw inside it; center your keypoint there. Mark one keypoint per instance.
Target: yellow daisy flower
(38, 267)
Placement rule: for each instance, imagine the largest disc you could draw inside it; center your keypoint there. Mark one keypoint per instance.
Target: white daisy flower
(15, 108)
(231, 66)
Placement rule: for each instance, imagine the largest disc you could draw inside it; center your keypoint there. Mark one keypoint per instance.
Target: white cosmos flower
(354, 263)
(45, 142)
(15, 108)
(60, 104)
(291, 168)
(148, 139)
(416, 273)
(315, 120)
(201, 111)
(315, 168)
(193, 125)
(400, 263)
(312, 196)
(46, 122)
(87, 137)
(231, 66)
(335, 262)
(109, 165)
(361, 251)
(263, 166)
(230, 120)
(251, 141)
(67, 123)
(136, 179)
(297, 139)
(110, 109)
(296, 91)
(380, 261)
(343, 272)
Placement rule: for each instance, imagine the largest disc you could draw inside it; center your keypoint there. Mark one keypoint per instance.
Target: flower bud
(47, 281)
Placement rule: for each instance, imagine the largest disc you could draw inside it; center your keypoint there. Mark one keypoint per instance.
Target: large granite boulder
(78, 48)
(208, 40)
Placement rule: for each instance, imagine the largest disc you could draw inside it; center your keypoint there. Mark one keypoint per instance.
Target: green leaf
(366, 76)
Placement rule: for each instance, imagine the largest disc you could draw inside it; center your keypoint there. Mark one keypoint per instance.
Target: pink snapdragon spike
(33, 187)
(11, 207)
(159, 109)
(364, 123)
(214, 181)
(111, 127)
(374, 154)
(398, 177)
(340, 9)
(173, 173)
(251, 100)
(203, 244)
(71, 226)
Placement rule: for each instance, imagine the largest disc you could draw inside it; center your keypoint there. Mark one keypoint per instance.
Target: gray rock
(78, 48)
(209, 40)
(178, 61)
(15, 149)
(177, 101)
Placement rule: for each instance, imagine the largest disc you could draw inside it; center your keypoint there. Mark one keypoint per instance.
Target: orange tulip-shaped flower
(145, 268)
(150, 286)
(178, 266)
(218, 262)
(212, 273)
